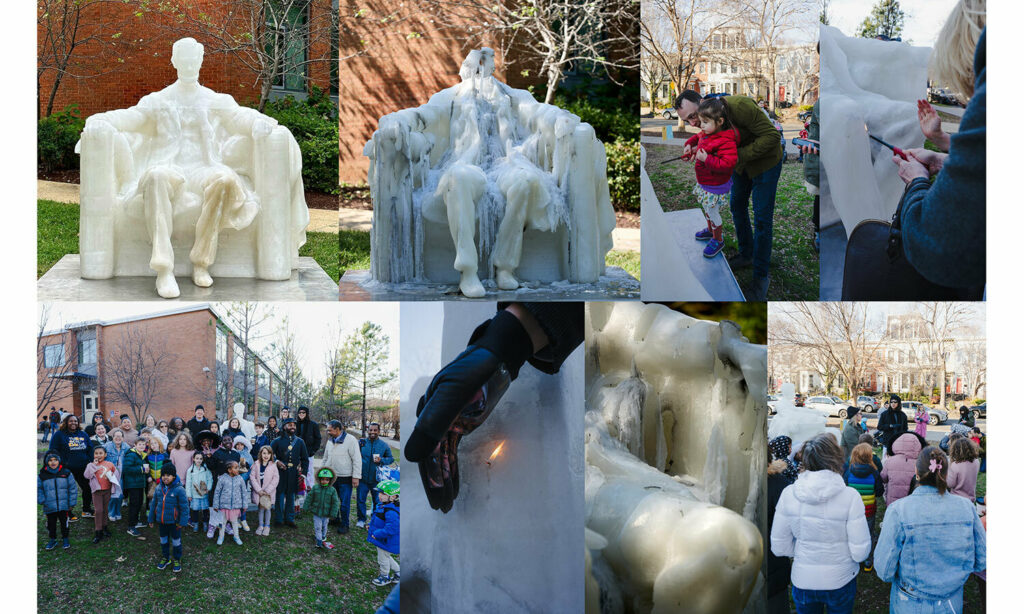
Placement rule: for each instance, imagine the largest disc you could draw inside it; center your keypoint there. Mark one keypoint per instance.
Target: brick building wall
(117, 72)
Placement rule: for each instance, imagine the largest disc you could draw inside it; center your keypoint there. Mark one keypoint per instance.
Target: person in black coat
(777, 591)
(74, 447)
(308, 430)
(892, 423)
(199, 423)
(97, 418)
(292, 462)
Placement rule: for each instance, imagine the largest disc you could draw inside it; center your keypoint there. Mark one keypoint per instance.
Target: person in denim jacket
(931, 542)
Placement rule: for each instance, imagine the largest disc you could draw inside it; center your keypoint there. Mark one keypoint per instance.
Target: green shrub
(806, 107)
(314, 123)
(610, 124)
(624, 174)
(56, 137)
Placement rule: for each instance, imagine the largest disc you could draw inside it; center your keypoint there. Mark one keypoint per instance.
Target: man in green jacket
(755, 176)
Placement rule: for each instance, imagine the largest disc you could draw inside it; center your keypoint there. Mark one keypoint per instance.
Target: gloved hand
(459, 398)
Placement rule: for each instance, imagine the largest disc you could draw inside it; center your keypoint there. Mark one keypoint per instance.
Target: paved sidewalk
(320, 220)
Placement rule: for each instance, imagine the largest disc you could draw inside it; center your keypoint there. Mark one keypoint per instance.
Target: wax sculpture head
(187, 59)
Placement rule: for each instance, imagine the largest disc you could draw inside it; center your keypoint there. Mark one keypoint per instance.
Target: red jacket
(722, 155)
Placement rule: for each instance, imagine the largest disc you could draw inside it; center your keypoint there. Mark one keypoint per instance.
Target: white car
(935, 416)
(827, 406)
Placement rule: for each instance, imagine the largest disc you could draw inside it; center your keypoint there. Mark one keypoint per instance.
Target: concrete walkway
(320, 220)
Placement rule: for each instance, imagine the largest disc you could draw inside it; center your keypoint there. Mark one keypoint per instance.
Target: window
(289, 31)
(87, 352)
(53, 356)
(222, 346)
(734, 69)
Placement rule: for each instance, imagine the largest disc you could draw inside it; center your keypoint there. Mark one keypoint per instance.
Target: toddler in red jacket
(715, 149)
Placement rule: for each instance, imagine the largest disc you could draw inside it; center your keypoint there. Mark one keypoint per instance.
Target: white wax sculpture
(867, 85)
(485, 179)
(675, 462)
(185, 178)
(512, 542)
(798, 423)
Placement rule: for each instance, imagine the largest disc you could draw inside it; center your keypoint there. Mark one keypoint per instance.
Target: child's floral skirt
(711, 203)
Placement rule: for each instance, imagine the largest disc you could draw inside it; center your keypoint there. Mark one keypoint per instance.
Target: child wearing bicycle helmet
(323, 502)
(384, 532)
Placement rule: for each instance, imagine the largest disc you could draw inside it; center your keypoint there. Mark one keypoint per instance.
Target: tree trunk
(53, 91)
(554, 76)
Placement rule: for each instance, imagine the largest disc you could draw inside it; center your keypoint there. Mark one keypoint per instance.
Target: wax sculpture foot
(506, 281)
(201, 277)
(166, 286)
(471, 286)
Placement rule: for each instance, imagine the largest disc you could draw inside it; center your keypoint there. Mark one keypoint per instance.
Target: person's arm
(724, 158)
(766, 137)
(980, 550)
(72, 490)
(151, 516)
(955, 477)
(304, 458)
(386, 458)
(889, 545)
(90, 471)
(40, 496)
(879, 487)
(357, 463)
(182, 511)
(857, 535)
(783, 542)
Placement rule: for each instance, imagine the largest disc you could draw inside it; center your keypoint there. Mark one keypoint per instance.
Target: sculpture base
(713, 274)
(63, 282)
(615, 285)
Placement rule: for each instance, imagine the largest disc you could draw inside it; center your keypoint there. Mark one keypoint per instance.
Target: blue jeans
(838, 601)
(344, 488)
(902, 602)
(756, 245)
(170, 533)
(46, 431)
(114, 509)
(361, 499)
(285, 507)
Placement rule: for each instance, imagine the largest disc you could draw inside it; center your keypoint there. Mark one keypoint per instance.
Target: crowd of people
(825, 497)
(209, 476)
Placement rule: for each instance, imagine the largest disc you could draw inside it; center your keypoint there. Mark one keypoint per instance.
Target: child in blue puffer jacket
(383, 532)
(169, 509)
(56, 491)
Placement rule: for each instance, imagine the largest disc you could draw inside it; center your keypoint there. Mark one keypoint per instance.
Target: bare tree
(769, 22)
(944, 322)
(653, 76)
(78, 38)
(288, 356)
(250, 322)
(136, 370)
(554, 35)
(55, 366)
(841, 335)
(974, 365)
(274, 40)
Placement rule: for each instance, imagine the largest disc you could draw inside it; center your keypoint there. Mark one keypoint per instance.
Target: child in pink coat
(264, 477)
(962, 476)
(899, 468)
(921, 422)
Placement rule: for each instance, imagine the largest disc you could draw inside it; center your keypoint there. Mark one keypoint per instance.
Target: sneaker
(361, 524)
(245, 526)
(713, 248)
(328, 545)
(177, 566)
(195, 527)
(140, 525)
(704, 235)
(134, 532)
(395, 578)
(67, 543)
(98, 537)
(238, 540)
(50, 545)
(106, 532)
(866, 567)
(381, 581)
(220, 537)
(162, 565)
(88, 515)
(758, 289)
(72, 518)
(209, 534)
(342, 530)
(317, 543)
(739, 261)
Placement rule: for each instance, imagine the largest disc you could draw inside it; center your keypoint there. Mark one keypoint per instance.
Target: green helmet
(390, 488)
(325, 473)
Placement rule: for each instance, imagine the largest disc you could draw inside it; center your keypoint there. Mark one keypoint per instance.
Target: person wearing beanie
(323, 502)
(780, 447)
(242, 447)
(543, 334)
(199, 422)
(892, 423)
(853, 428)
(57, 492)
(169, 509)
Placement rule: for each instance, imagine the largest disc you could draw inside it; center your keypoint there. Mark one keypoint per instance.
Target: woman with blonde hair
(939, 217)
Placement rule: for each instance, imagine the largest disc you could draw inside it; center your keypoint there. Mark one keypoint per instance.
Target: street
(935, 433)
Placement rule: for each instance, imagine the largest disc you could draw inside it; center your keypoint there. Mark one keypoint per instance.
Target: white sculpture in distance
(798, 423)
(189, 170)
(675, 462)
(483, 176)
(871, 86)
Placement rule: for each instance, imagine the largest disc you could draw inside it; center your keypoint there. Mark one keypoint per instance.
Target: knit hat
(287, 420)
(780, 446)
(46, 459)
(168, 469)
(852, 411)
(242, 439)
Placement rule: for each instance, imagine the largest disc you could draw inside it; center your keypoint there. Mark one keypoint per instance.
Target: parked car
(669, 113)
(979, 410)
(773, 400)
(866, 403)
(942, 95)
(827, 406)
(935, 416)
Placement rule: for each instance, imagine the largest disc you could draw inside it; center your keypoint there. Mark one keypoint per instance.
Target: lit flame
(497, 452)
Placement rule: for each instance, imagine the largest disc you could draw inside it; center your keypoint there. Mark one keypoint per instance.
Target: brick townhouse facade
(200, 360)
(132, 58)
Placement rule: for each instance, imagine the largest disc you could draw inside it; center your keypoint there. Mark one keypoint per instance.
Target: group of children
(148, 472)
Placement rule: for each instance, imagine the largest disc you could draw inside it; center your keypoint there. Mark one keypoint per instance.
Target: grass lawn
(57, 235)
(794, 268)
(278, 573)
(354, 248)
(873, 594)
(630, 261)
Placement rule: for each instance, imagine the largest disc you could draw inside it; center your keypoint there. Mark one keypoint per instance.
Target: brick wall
(116, 73)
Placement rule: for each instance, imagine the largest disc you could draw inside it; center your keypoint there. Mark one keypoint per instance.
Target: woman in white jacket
(820, 523)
